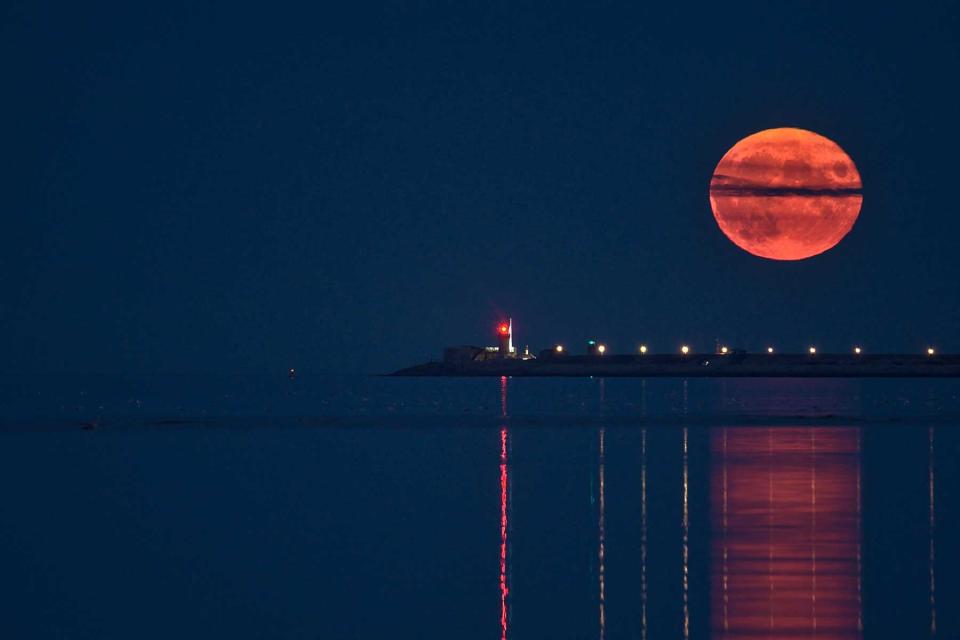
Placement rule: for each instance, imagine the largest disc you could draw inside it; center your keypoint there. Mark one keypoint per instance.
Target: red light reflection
(504, 504)
(504, 486)
(787, 510)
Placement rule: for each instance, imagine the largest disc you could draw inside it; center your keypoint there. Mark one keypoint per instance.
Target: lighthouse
(505, 338)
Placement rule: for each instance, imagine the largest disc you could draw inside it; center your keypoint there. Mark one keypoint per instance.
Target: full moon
(786, 194)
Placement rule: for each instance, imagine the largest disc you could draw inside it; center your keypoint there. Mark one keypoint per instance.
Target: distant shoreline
(703, 366)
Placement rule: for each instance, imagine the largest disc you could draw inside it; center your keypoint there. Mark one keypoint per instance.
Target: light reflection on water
(504, 527)
(601, 536)
(643, 534)
(931, 455)
(504, 514)
(783, 537)
(685, 528)
(786, 532)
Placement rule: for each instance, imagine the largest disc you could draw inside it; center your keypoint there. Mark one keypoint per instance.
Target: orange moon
(786, 194)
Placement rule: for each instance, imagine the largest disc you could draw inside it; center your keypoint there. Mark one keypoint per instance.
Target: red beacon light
(504, 331)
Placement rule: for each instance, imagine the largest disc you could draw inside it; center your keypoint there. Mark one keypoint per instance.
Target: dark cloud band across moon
(786, 194)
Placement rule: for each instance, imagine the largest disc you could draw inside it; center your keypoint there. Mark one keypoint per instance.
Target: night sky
(247, 189)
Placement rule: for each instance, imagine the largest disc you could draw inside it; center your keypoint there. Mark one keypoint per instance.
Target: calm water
(321, 507)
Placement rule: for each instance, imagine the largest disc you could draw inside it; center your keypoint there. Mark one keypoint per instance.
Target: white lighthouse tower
(505, 338)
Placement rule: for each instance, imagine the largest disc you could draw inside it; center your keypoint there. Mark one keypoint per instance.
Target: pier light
(601, 348)
(559, 348)
(930, 351)
(684, 349)
(769, 349)
(813, 351)
(643, 349)
(857, 350)
(503, 328)
(724, 350)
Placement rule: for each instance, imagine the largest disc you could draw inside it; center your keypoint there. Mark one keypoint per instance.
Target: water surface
(369, 507)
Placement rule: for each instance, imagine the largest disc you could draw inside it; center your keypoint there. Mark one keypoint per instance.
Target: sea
(327, 507)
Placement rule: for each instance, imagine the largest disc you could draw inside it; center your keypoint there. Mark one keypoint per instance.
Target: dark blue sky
(249, 189)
